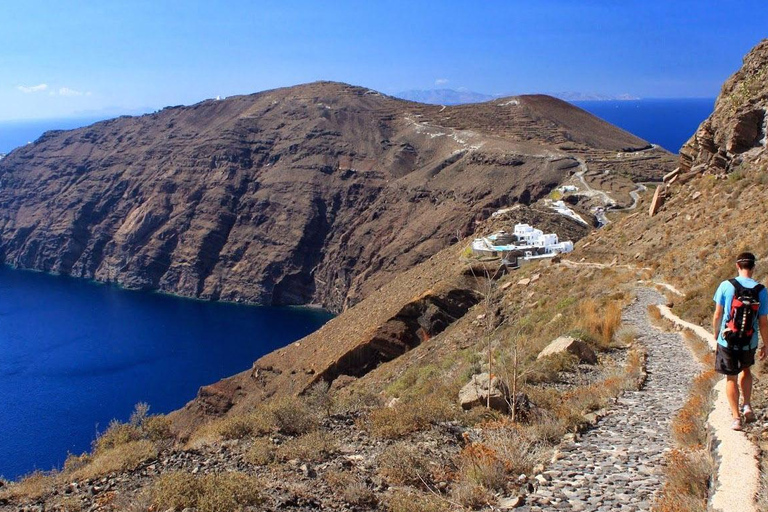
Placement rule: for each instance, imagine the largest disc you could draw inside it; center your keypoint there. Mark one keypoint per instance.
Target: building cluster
(525, 242)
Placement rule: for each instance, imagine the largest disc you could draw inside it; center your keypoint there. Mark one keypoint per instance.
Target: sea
(668, 123)
(75, 355)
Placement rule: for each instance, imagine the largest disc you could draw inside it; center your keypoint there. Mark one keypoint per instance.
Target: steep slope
(318, 193)
(738, 126)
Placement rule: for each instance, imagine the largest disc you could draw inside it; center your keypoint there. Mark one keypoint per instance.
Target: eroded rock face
(737, 128)
(314, 194)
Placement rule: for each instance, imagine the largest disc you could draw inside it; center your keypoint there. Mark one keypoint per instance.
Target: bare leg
(745, 383)
(732, 393)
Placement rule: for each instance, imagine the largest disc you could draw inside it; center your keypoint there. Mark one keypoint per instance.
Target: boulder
(475, 392)
(571, 345)
(657, 201)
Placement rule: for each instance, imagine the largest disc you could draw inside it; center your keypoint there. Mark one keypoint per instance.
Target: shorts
(732, 362)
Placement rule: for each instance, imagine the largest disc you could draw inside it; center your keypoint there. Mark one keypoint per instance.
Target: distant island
(459, 97)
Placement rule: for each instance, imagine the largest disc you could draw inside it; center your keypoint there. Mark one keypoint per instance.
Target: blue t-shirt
(724, 296)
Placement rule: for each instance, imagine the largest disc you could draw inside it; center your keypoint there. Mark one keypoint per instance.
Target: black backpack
(740, 322)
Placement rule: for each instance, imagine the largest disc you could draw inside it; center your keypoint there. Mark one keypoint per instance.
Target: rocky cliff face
(737, 128)
(312, 194)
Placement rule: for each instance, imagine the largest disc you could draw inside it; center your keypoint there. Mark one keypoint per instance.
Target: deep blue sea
(666, 122)
(74, 355)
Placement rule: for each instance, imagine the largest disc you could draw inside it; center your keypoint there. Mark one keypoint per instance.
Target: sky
(69, 58)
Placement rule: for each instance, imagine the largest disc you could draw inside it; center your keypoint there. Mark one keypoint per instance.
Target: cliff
(319, 193)
(737, 128)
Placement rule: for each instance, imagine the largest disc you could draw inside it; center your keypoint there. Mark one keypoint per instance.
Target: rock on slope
(318, 193)
(738, 126)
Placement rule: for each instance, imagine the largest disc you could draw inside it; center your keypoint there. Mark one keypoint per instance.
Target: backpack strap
(736, 284)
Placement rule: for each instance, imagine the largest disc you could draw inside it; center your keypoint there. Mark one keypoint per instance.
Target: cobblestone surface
(617, 465)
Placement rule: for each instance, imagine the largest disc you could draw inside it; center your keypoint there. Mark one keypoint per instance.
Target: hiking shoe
(736, 425)
(749, 415)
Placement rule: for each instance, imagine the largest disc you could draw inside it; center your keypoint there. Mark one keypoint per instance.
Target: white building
(528, 240)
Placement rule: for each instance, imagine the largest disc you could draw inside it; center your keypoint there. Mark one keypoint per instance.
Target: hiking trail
(617, 465)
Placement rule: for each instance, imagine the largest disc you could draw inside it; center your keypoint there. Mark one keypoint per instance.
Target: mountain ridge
(288, 196)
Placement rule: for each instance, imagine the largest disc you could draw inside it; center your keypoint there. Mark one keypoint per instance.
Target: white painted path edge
(738, 474)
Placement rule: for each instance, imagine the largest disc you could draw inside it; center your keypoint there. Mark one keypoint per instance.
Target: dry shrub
(602, 321)
(69, 504)
(30, 487)
(116, 434)
(313, 446)
(353, 490)
(140, 426)
(354, 401)
(75, 462)
(471, 495)
(481, 464)
(626, 335)
(687, 482)
(293, 416)
(157, 428)
(140, 501)
(403, 464)
(410, 416)
(407, 500)
(690, 425)
(123, 457)
(319, 398)
(517, 448)
(545, 369)
(235, 427)
(261, 452)
(206, 493)
(654, 313)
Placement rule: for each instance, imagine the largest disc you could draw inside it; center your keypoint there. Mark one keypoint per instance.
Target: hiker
(741, 306)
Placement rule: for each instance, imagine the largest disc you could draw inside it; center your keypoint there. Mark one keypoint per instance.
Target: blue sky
(68, 58)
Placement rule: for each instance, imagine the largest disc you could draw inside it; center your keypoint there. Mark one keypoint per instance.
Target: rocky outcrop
(736, 130)
(485, 389)
(568, 344)
(319, 193)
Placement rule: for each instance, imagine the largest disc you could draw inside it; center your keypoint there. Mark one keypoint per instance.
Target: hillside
(319, 193)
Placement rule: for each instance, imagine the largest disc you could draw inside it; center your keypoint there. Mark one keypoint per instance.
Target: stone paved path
(617, 466)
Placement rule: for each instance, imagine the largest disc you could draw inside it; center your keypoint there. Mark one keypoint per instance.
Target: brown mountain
(318, 193)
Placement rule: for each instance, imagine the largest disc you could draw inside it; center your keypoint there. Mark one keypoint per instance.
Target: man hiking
(741, 306)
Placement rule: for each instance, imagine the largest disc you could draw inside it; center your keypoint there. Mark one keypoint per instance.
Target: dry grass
(206, 493)
(403, 464)
(689, 427)
(471, 495)
(312, 446)
(408, 500)
(30, 487)
(352, 488)
(601, 319)
(122, 457)
(410, 416)
(288, 415)
(261, 452)
(482, 465)
(293, 416)
(687, 482)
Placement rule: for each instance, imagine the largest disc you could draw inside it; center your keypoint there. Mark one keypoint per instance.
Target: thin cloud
(32, 88)
(441, 81)
(66, 91)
